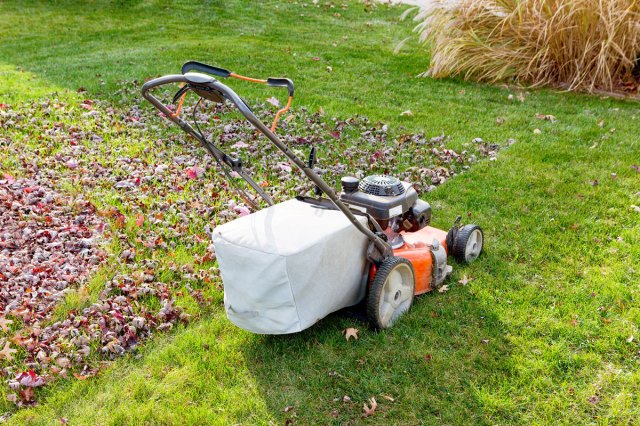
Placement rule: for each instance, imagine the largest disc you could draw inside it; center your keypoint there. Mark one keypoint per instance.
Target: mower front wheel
(468, 243)
(391, 292)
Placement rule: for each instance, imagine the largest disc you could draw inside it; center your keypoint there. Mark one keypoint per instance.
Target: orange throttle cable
(177, 113)
(285, 109)
(252, 80)
(260, 81)
(242, 77)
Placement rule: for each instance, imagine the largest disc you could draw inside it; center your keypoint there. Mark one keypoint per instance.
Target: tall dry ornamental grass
(575, 44)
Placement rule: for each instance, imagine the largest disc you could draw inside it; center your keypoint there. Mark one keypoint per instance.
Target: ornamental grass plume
(574, 44)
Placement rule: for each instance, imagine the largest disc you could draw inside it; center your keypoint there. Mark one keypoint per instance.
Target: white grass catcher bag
(287, 266)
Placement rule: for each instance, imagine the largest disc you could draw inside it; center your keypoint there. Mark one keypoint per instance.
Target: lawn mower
(286, 266)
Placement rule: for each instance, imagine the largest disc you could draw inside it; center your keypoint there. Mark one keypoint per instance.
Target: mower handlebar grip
(281, 82)
(208, 69)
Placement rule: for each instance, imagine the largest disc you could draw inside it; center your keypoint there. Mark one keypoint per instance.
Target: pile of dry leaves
(87, 185)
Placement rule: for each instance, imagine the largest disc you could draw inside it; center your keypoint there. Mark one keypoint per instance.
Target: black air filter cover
(381, 185)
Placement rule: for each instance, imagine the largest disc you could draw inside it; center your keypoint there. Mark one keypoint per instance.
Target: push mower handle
(207, 69)
(210, 83)
(281, 82)
(224, 73)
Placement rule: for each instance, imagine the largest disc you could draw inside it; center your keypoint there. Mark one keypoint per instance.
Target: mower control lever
(281, 82)
(209, 69)
(234, 163)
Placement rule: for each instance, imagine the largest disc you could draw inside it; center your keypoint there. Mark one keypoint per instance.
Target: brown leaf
(4, 322)
(465, 280)
(547, 117)
(369, 411)
(7, 351)
(120, 220)
(27, 394)
(350, 332)
(443, 289)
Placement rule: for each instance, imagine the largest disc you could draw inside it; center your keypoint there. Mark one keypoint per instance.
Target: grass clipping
(575, 44)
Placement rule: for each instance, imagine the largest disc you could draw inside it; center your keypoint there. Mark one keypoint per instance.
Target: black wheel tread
(460, 242)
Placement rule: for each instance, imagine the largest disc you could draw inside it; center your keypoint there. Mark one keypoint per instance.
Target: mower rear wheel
(391, 292)
(468, 243)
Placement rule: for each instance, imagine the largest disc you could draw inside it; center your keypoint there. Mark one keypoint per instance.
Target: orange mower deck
(416, 249)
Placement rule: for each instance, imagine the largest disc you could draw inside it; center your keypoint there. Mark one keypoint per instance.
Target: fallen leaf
(547, 117)
(140, 220)
(636, 168)
(350, 332)
(4, 322)
(387, 397)
(27, 394)
(346, 398)
(7, 351)
(636, 208)
(630, 339)
(465, 280)
(30, 379)
(369, 411)
(408, 113)
(485, 341)
(273, 101)
(537, 131)
(443, 289)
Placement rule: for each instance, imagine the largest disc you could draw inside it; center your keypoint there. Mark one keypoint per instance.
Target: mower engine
(393, 204)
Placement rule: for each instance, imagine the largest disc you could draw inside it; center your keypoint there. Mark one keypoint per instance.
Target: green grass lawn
(542, 334)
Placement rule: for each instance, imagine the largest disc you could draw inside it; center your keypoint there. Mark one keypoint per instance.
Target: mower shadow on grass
(430, 368)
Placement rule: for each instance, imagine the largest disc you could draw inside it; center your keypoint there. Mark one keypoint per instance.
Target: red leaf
(140, 220)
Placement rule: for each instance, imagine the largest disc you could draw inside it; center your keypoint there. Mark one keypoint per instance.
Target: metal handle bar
(234, 163)
(381, 245)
